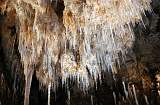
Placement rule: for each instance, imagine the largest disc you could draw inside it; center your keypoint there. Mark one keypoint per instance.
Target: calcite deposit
(77, 40)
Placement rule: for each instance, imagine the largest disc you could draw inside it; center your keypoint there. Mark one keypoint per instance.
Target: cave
(79, 52)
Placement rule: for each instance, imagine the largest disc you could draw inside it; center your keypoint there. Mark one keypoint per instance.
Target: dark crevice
(10, 65)
(5, 70)
(59, 8)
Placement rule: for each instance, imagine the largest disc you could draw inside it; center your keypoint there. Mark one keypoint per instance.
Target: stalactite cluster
(94, 35)
(76, 39)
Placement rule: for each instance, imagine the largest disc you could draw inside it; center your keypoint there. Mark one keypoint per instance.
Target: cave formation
(74, 52)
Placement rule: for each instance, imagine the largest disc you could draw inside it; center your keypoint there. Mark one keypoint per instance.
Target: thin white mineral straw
(69, 97)
(114, 96)
(92, 100)
(135, 95)
(125, 90)
(130, 92)
(49, 92)
(146, 99)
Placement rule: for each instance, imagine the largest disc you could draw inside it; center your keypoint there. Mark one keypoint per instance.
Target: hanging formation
(95, 36)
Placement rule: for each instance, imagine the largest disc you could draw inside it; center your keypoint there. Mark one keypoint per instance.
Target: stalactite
(49, 93)
(94, 37)
(95, 31)
(105, 29)
(28, 81)
(135, 95)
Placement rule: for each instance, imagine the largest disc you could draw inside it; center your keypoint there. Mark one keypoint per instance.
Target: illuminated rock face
(90, 37)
